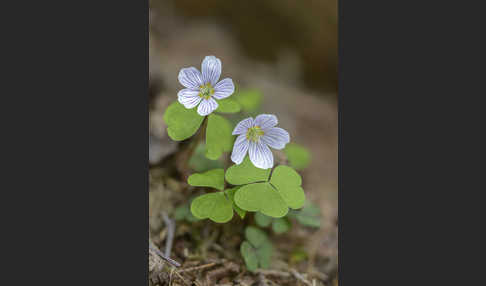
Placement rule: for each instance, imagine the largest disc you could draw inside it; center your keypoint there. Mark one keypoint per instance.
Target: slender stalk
(168, 259)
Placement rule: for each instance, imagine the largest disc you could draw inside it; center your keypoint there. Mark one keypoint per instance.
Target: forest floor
(209, 252)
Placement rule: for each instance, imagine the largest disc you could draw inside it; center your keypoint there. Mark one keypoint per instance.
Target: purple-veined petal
(242, 126)
(190, 77)
(260, 155)
(275, 137)
(207, 106)
(240, 148)
(188, 97)
(211, 70)
(265, 121)
(224, 88)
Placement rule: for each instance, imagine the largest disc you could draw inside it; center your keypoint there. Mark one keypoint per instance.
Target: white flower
(204, 88)
(255, 136)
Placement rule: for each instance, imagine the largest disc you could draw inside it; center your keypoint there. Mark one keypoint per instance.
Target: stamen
(205, 91)
(254, 133)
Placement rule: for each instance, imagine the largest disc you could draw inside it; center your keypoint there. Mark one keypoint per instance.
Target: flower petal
(211, 69)
(265, 121)
(224, 88)
(190, 77)
(240, 148)
(189, 97)
(207, 106)
(242, 126)
(276, 138)
(260, 155)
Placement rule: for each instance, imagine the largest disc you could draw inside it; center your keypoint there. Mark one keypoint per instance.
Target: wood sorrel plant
(256, 185)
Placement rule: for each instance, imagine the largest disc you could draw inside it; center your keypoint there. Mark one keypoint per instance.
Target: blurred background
(285, 49)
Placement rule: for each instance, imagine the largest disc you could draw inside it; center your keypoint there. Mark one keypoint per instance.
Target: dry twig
(200, 267)
(262, 279)
(215, 274)
(322, 276)
(169, 260)
(273, 273)
(299, 277)
(182, 278)
(170, 233)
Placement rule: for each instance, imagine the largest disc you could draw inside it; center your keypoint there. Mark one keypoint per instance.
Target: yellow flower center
(254, 133)
(205, 91)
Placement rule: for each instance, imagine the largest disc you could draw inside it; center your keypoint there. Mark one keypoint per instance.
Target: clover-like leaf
(262, 220)
(183, 212)
(281, 225)
(214, 206)
(249, 254)
(255, 236)
(181, 123)
(200, 163)
(264, 254)
(298, 156)
(310, 216)
(249, 100)
(218, 136)
(261, 197)
(228, 105)
(231, 196)
(212, 178)
(287, 181)
(257, 249)
(246, 173)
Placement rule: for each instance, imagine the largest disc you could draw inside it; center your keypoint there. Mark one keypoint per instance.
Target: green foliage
(298, 156)
(261, 197)
(255, 236)
(181, 123)
(218, 136)
(264, 254)
(212, 178)
(184, 213)
(181, 212)
(309, 216)
(268, 193)
(231, 195)
(279, 225)
(246, 173)
(249, 255)
(249, 99)
(287, 182)
(262, 220)
(214, 206)
(228, 105)
(200, 163)
(218, 207)
(272, 198)
(256, 249)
